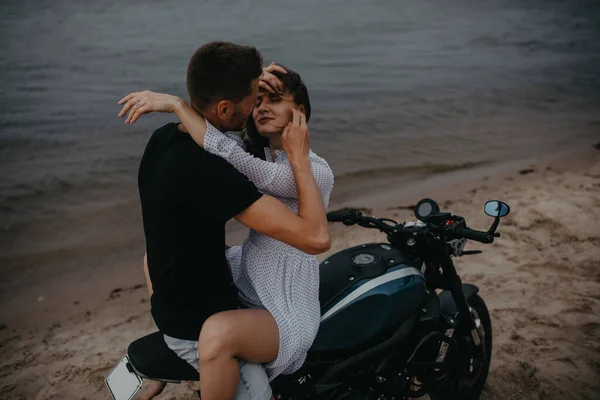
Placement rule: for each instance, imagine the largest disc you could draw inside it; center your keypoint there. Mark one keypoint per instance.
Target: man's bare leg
(153, 389)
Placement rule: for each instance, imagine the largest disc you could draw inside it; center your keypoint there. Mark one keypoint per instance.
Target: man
(188, 195)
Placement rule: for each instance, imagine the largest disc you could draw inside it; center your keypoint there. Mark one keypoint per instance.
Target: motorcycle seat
(151, 358)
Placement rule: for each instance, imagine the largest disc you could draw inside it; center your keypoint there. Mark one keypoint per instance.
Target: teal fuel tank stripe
(373, 283)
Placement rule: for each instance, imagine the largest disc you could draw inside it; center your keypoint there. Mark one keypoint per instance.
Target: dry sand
(541, 281)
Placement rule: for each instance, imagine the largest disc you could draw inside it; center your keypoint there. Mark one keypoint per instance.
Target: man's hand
(295, 138)
(269, 82)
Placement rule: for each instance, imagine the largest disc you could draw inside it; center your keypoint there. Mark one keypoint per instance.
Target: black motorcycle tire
(478, 305)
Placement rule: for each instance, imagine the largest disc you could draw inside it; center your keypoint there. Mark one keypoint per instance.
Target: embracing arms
(308, 230)
(271, 178)
(275, 179)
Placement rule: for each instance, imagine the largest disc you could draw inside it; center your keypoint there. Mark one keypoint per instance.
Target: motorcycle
(396, 320)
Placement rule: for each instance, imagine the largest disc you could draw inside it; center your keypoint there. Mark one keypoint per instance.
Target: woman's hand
(268, 81)
(295, 138)
(139, 103)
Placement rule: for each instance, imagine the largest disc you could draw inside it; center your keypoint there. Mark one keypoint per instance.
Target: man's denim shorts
(254, 383)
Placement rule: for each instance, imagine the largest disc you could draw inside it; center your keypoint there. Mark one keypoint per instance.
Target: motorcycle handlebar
(353, 217)
(333, 217)
(478, 236)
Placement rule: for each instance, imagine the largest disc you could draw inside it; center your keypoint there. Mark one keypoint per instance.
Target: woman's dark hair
(292, 82)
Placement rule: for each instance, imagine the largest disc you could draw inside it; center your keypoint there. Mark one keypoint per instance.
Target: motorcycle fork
(453, 283)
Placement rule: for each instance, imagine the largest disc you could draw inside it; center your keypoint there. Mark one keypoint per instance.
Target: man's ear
(224, 109)
(301, 108)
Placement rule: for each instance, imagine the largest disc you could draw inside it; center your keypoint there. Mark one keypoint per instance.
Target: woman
(278, 283)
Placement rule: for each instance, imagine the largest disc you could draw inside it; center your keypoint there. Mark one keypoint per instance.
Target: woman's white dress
(268, 273)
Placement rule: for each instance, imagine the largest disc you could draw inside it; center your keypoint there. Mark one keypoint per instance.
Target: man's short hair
(222, 71)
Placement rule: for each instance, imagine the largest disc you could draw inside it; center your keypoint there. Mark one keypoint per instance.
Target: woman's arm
(193, 122)
(276, 179)
(146, 102)
(272, 178)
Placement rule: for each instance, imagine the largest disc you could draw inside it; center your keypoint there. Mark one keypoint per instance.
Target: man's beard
(237, 121)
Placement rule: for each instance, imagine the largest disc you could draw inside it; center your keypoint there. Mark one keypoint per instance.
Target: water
(395, 85)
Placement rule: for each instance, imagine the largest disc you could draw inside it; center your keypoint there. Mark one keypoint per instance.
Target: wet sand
(541, 281)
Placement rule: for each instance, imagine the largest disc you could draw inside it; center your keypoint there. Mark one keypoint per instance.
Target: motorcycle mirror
(496, 209)
(425, 209)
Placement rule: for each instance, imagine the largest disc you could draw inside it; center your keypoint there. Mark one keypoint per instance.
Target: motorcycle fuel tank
(365, 291)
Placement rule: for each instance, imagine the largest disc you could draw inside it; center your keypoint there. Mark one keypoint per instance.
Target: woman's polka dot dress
(271, 274)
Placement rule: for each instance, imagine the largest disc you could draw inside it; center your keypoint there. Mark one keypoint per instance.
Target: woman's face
(272, 112)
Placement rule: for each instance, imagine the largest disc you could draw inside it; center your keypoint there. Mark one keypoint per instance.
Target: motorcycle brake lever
(471, 252)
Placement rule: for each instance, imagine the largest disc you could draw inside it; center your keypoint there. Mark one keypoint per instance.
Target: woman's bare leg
(251, 335)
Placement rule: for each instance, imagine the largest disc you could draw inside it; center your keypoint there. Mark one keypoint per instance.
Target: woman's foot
(154, 389)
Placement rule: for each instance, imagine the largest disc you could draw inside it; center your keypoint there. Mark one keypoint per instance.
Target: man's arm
(272, 218)
(309, 230)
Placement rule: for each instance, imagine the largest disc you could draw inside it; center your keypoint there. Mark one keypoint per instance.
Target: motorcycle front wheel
(472, 390)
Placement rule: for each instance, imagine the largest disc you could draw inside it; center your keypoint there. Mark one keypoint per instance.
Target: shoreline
(541, 281)
(91, 262)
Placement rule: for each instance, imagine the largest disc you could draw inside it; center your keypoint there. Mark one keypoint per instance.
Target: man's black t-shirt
(187, 196)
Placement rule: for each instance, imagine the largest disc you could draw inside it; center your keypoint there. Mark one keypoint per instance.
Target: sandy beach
(541, 281)
(461, 102)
